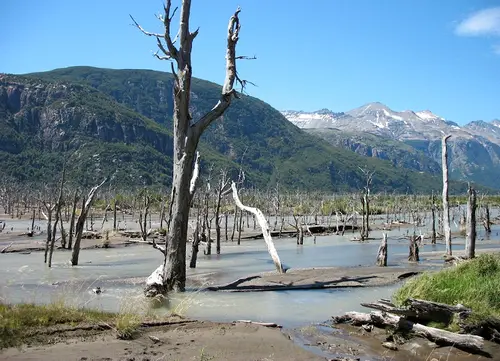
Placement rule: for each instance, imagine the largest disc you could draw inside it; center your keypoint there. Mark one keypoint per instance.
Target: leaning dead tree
(446, 208)
(187, 132)
(80, 223)
(365, 203)
(470, 239)
(264, 225)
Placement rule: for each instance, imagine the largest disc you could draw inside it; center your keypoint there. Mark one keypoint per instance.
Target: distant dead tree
(80, 223)
(446, 208)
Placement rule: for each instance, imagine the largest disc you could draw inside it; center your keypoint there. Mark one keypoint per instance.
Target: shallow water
(121, 272)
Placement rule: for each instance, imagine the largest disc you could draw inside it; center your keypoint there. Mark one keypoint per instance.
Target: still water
(121, 272)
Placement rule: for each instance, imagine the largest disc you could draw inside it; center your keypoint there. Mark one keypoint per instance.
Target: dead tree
(187, 132)
(470, 239)
(382, 252)
(80, 223)
(50, 209)
(196, 240)
(63, 231)
(222, 188)
(365, 203)
(264, 225)
(413, 255)
(486, 218)
(143, 215)
(72, 221)
(58, 206)
(446, 208)
(433, 221)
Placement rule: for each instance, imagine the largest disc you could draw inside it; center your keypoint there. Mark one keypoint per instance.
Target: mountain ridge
(475, 146)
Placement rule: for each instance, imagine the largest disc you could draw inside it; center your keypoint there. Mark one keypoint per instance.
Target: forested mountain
(118, 123)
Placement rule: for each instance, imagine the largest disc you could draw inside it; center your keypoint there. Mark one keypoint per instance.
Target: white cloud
(483, 22)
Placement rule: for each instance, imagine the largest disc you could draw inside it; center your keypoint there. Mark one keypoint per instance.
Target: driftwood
(442, 337)
(6, 248)
(265, 324)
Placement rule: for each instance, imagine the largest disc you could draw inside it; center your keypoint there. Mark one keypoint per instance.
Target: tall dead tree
(470, 239)
(143, 215)
(80, 223)
(433, 221)
(365, 203)
(72, 221)
(58, 206)
(222, 188)
(446, 208)
(187, 132)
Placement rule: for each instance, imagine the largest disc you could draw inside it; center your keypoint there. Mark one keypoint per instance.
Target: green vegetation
(474, 284)
(18, 322)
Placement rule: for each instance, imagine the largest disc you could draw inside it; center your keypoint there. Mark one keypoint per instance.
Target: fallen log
(466, 342)
(435, 311)
(6, 248)
(265, 324)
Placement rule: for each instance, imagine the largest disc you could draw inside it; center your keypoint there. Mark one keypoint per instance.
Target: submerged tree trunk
(72, 222)
(433, 221)
(80, 224)
(470, 240)
(446, 208)
(413, 256)
(382, 252)
(486, 220)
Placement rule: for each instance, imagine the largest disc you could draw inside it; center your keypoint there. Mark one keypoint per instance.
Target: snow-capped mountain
(474, 147)
(377, 118)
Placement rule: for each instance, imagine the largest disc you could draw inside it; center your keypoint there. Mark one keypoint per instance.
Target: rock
(390, 345)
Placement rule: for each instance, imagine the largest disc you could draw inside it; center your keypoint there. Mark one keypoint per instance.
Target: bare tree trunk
(382, 252)
(225, 225)
(265, 228)
(196, 243)
(487, 221)
(53, 241)
(114, 215)
(49, 231)
(80, 224)
(63, 231)
(413, 255)
(186, 132)
(433, 222)
(367, 218)
(239, 227)
(32, 232)
(72, 222)
(235, 222)
(446, 209)
(470, 240)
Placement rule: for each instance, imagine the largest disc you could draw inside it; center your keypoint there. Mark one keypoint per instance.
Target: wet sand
(191, 341)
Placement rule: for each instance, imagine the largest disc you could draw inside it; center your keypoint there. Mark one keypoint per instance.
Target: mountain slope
(117, 122)
(474, 148)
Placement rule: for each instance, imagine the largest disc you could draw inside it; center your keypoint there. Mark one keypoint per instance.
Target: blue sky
(441, 55)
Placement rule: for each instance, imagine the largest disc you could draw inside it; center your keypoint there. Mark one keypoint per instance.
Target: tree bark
(487, 221)
(186, 133)
(72, 222)
(264, 225)
(433, 221)
(446, 208)
(413, 255)
(470, 239)
(86, 205)
(382, 252)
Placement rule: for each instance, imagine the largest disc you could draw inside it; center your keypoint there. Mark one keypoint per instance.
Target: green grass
(474, 284)
(18, 321)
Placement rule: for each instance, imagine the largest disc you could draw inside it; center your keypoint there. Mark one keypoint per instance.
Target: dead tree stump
(413, 256)
(382, 252)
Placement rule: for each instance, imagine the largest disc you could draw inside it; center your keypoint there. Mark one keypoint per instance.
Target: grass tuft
(474, 284)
